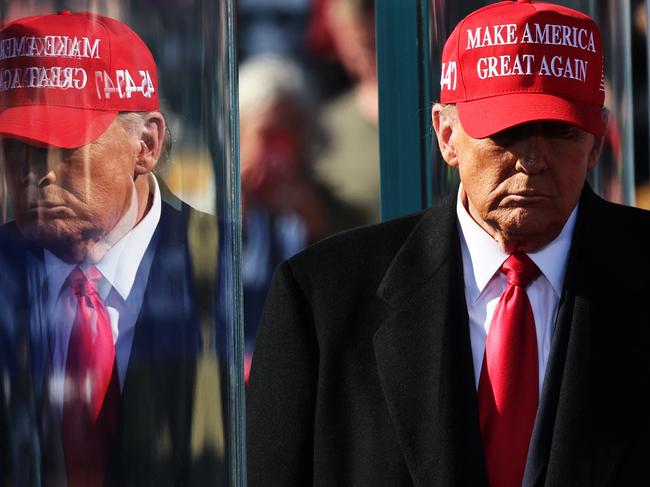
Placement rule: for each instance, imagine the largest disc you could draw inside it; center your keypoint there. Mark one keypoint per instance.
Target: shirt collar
(118, 266)
(482, 256)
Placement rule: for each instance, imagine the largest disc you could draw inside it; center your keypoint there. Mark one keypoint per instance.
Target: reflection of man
(99, 293)
(497, 339)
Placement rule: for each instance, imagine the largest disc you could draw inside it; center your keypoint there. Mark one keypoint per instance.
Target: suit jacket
(362, 373)
(152, 444)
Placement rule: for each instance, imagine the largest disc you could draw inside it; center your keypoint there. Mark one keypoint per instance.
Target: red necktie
(508, 387)
(91, 386)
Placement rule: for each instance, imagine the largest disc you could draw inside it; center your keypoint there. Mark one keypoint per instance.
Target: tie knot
(84, 284)
(520, 270)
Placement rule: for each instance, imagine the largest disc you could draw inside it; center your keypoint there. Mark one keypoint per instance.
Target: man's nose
(532, 156)
(42, 166)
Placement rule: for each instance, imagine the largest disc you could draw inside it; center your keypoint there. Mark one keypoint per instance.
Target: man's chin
(527, 238)
(60, 239)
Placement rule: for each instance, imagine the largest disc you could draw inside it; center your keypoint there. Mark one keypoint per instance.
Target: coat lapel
(581, 430)
(540, 444)
(424, 357)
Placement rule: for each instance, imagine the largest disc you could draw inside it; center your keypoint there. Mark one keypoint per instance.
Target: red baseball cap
(521, 61)
(65, 77)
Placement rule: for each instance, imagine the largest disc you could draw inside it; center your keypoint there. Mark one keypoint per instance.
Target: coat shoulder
(626, 226)
(358, 259)
(362, 250)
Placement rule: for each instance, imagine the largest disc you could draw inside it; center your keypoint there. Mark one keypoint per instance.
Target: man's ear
(444, 123)
(152, 135)
(596, 150)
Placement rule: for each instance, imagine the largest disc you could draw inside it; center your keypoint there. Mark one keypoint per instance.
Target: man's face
(522, 184)
(65, 198)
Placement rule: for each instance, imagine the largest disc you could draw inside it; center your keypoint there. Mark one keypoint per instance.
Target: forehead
(556, 137)
(544, 128)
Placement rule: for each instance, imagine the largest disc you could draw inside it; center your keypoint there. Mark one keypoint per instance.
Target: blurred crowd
(308, 131)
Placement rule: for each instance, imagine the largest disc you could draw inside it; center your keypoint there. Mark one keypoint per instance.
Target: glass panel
(617, 178)
(405, 99)
(443, 18)
(613, 178)
(640, 70)
(121, 341)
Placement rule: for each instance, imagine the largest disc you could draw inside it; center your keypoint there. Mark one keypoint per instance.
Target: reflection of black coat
(362, 373)
(152, 445)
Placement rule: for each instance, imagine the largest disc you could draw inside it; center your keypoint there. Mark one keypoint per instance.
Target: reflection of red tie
(508, 387)
(91, 386)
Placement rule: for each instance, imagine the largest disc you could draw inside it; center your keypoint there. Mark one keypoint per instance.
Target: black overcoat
(362, 373)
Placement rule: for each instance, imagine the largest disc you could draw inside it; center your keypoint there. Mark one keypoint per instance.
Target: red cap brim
(487, 116)
(55, 126)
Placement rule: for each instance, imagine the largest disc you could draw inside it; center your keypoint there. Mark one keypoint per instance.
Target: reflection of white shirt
(484, 284)
(121, 293)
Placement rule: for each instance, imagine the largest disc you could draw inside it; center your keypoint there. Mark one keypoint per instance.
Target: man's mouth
(45, 204)
(525, 197)
(48, 210)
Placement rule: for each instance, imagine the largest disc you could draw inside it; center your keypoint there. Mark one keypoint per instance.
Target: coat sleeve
(281, 394)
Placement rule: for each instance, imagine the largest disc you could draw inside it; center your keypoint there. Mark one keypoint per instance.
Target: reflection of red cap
(65, 77)
(515, 62)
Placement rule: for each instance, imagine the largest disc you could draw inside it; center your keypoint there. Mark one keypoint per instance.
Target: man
(496, 339)
(99, 331)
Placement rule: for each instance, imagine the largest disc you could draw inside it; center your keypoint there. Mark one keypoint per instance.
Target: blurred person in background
(640, 87)
(284, 207)
(271, 27)
(99, 326)
(350, 165)
(639, 41)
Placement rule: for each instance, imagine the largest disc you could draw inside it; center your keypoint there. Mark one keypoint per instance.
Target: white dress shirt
(484, 284)
(121, 293)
